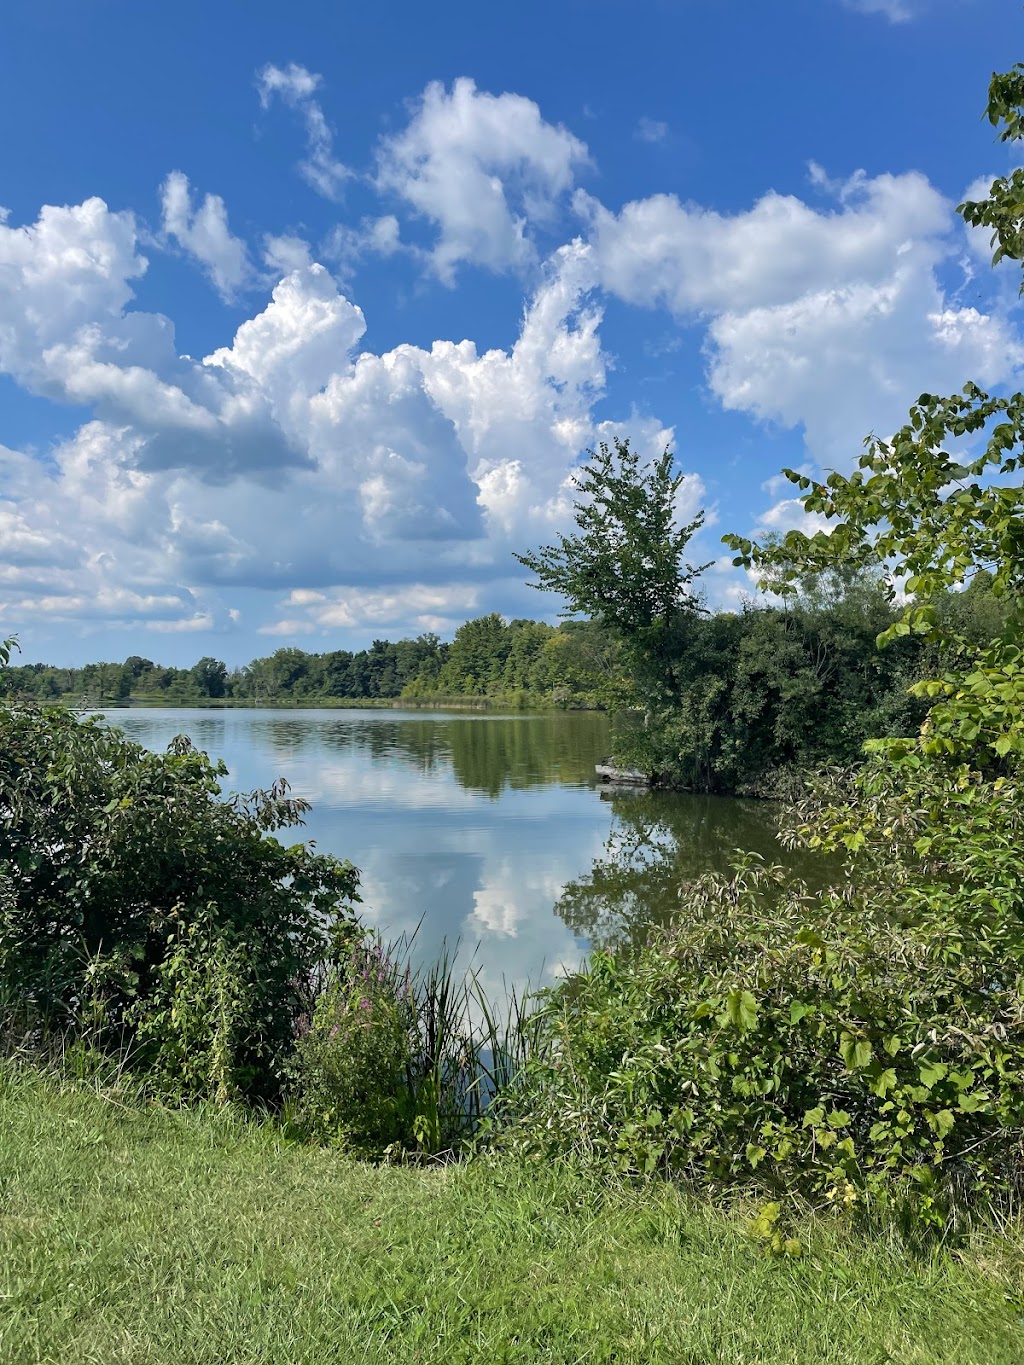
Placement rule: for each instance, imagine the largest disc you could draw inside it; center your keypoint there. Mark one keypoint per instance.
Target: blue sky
(308, 311)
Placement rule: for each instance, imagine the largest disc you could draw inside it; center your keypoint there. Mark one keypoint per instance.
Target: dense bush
(137, 901)
(865, 1045)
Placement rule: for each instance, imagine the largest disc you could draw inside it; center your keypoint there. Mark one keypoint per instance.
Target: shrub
(854, 1048)
(393, 1060)
(352, 1073)
(137, 900)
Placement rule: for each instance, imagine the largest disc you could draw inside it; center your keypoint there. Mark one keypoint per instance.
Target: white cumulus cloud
(203, 232)
(369, 487)
(482, 169)
(832, 319)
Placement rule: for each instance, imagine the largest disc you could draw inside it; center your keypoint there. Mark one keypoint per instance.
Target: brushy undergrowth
(140, 907)
(798, 1047)
(860, 1047)
(393, 1060)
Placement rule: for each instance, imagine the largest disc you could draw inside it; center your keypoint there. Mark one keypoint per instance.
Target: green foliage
(854, 1047)
(1003, 210)
(626, 569)
(938, 519)
(210, 677)
(864, 1045)
(626, 565)
(567, 666)
(729, 702)
(138, 899)
(394, 1061)
(477, 657)
(763, 695)
(353, 1066)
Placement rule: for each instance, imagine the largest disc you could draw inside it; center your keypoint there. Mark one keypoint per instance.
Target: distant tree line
(489, 657)
(751, 696)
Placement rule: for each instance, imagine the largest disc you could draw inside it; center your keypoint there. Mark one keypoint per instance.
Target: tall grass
(469, 1046)
(395, 1058)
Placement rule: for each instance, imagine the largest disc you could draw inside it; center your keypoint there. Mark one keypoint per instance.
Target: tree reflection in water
(485, 754)
(659, 840)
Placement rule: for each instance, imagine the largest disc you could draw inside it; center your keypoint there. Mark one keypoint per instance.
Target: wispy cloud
(896, 11)
(651, 130)
(297, 86)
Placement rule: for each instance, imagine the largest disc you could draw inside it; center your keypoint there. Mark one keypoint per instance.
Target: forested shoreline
(489, 657)
(758, 695)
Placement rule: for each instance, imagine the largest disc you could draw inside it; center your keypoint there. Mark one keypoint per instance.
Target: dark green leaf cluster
(351, 1079)
(752, 699)
(142, 906)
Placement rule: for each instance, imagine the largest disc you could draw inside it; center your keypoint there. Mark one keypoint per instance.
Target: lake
(485, 831)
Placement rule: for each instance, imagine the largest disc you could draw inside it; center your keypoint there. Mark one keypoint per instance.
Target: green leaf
(741, 1008)
(942, 1122)
(883, 1083)
(855, 1052)
(932, 1072)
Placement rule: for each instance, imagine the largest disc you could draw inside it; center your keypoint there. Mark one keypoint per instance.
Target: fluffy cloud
(69, 270)
(831, 320)
(842, 361)
(692, 260)
(66, 332)
(291, 459)
(296, 87)
(346, 246)
(204, 233)
(482, 168)
(421, 606)
(388, 488)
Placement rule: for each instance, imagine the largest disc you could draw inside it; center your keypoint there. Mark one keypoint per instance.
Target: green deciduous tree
(210, 677)
(626, 565)
(625, 568)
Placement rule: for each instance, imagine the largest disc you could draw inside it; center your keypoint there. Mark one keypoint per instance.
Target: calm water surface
(482, 830)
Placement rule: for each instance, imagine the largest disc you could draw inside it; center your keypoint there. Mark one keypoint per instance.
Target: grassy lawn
(143, 1235)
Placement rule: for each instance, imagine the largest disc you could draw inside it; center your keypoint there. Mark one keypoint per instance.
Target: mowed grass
(134, 1234)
